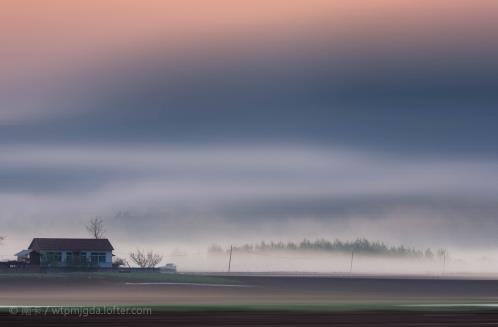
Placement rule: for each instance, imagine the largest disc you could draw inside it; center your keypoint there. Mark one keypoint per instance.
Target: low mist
(203, 259)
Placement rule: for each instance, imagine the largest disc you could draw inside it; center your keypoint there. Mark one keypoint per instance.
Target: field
(160, 299)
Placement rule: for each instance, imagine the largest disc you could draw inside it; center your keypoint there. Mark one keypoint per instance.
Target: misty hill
(359, 246)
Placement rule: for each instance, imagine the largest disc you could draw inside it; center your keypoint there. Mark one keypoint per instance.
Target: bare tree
(119, 262)
(153, 259)
(1, 239)
(96, 227)
(146, 260)
(139, 258)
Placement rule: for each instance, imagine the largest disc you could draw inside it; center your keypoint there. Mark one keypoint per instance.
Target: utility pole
(351, 264)
(230, 259)
(444, 261)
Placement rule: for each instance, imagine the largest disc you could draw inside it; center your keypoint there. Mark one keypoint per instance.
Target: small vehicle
(169, 268)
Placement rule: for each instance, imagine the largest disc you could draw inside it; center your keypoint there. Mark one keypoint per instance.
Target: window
(69, 258)
(52, 257)
(98, 257)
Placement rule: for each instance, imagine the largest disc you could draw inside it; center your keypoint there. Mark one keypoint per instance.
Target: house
(68, 252)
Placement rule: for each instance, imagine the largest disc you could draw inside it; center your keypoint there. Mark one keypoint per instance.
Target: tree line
(360, 245)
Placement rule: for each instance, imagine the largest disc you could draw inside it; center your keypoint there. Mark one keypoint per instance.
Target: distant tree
(361, 245)
(95, 227)
(146, 260)
(119, 262)
(428, 254)
(1, 239)
(215, 248)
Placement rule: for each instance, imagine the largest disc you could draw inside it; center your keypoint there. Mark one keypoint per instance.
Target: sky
(187, 123)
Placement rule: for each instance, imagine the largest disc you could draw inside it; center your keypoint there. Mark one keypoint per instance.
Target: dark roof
(70, 244)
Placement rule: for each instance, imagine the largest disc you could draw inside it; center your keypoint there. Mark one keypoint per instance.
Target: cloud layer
(213, 193)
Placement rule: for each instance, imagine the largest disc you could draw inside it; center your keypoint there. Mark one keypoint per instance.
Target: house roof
(23, 253)
(70, 244)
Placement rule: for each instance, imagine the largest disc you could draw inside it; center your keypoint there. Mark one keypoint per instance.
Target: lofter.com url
(82, 311)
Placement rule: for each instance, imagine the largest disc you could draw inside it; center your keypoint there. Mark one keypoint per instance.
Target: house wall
(108, 259)
(88, 254)
(34, 258)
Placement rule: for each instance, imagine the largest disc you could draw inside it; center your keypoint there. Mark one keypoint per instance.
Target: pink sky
(52, 43)
(43, 35)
